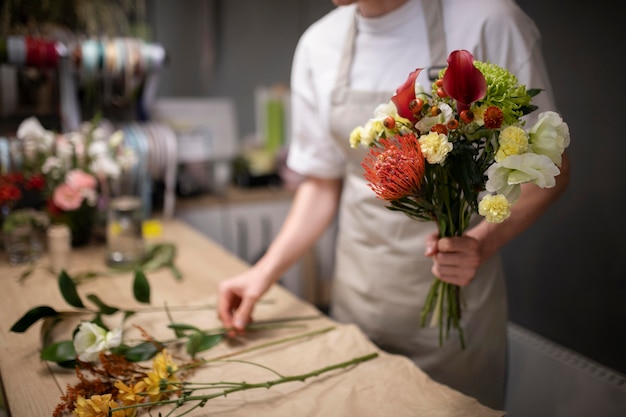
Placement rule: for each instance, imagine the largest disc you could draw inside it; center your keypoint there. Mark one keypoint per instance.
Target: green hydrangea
(504, 91)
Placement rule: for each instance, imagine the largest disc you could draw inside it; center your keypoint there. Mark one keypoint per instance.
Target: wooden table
(388, 385)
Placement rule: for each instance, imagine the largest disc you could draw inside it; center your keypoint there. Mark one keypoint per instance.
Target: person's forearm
(312, 210)
(533, 202)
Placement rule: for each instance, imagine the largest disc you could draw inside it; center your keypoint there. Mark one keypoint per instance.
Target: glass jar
(125, 243)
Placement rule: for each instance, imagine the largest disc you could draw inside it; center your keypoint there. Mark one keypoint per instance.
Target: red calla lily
(462, 80)
(405, 94)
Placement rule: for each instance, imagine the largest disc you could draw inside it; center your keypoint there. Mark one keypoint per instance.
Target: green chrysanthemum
(504, 91)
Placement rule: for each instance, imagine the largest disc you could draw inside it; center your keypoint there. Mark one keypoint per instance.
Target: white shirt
(387, 49)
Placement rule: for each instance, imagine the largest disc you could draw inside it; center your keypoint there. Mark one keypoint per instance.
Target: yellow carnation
(355, 136)
(513, 140)
(435, 147)
(495, 208)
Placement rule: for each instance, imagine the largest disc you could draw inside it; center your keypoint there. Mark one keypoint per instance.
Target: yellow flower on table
(96, 406)
(161, 377)
(131, 395)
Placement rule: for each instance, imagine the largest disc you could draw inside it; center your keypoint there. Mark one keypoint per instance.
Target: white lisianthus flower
(64, 149)
(385, 110)
(105, 166)
(443, 117)
(495, 208)
(97, 148)
(102, 132)
(31, 130)
(92, 339)
(513, 140)
(77, 140)
(435, 147)
(54, 168)
(519, 169)
(550, 136)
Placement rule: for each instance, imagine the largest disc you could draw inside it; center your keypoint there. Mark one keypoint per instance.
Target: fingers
(456, 260)
(243, 315)
(236, 301)
(431, 244)
(227, 303)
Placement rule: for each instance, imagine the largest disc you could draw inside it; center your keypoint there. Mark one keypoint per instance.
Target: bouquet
(456, 151)
(76, 168)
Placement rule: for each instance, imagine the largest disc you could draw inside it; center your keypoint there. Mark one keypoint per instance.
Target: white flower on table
(92, 339)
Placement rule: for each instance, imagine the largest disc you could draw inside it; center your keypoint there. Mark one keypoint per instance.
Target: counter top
(388, 385)
(234, 195)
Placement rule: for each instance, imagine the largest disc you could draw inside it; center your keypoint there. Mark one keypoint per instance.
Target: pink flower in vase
(78, 186)
(67, 198)
(80, 180)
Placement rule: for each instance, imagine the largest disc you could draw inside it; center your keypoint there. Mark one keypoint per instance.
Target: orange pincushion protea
(395, 169)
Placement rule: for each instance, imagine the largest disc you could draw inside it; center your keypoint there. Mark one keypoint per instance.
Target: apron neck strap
(436, 40)
(436, 32)
(343, 76)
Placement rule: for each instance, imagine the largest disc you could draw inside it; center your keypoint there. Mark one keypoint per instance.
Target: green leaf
(207, 341)
(68, 364)
(199, 342)
(159, 255)
(31, 317)
(141, 352)
(59, 352)
(68, 290)
(182, 326)
(179, 329)
(141, 287)
(104, 308)
(128, 314)
(193, 343)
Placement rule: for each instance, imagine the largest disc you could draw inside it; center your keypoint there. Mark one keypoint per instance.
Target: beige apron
(382, 276)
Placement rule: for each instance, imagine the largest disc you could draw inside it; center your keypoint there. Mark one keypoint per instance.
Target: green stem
(248, 386)
(257, 347)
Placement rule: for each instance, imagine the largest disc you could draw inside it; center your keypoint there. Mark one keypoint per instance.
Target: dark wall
(567, 274)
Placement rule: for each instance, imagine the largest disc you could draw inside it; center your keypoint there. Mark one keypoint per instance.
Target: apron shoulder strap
(436, 36)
